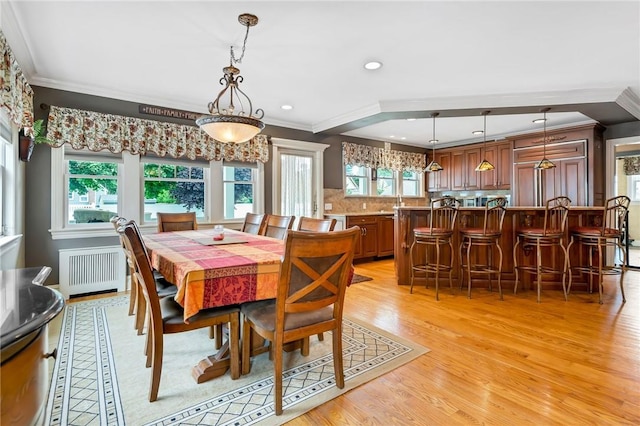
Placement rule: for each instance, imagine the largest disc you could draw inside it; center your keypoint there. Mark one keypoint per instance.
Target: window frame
(131, 191)
(372, 184)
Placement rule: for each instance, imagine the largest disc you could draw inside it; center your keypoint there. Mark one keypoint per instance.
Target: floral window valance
(97, 131)
(17, 95)
(369, 156)
(631, 165)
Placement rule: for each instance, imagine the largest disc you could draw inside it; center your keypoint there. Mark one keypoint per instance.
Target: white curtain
(296, 180)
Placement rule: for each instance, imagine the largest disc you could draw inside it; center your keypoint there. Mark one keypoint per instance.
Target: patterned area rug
(99, 376)
(357, 278)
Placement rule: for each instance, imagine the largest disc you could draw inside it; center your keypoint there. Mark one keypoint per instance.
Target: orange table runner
(208, 276)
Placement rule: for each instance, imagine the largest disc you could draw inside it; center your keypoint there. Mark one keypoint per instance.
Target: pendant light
(544, 164)
(227, 123)
(434, 166)
(485, 165)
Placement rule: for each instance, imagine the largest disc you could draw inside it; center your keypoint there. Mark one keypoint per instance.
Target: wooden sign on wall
(168, 112)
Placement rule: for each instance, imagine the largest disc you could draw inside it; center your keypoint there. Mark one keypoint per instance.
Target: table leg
(213, 366)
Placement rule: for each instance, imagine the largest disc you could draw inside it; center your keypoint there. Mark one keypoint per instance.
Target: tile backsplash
(341, 204)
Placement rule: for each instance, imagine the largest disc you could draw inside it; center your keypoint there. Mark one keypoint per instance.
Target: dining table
(211, 273)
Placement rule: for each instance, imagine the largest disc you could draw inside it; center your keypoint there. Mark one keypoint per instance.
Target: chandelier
(485, 165)
(434, 166)
(231, 116)
(545, 163)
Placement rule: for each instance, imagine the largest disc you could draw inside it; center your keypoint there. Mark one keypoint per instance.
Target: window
(381, 182)
(356, 180)
(633, 187)
(93, 186)
(386, 182)
(173, 188)
(238, 191)
(411, 183)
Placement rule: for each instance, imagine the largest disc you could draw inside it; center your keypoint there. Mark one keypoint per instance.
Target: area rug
(99, 376)
(357, 278)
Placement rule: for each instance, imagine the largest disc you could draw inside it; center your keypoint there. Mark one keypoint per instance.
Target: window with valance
(373, 157)
(631, 165)
(96, 132)
(16, 94)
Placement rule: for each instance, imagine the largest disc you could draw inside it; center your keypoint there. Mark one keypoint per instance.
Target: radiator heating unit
(92, 269)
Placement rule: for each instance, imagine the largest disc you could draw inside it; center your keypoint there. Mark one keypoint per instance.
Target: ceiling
(581, 59)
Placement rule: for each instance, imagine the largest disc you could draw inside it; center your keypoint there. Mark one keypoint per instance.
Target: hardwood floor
(493, 362)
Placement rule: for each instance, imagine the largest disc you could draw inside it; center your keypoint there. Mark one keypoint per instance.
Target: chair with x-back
(167, 316)
(314, 275)
(312, 224)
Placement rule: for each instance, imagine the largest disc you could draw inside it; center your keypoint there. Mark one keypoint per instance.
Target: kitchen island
(516, 218)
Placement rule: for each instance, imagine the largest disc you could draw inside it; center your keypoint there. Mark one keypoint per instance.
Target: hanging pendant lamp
(434, 166)
(485, 165)
(233, 119)
(545, 163)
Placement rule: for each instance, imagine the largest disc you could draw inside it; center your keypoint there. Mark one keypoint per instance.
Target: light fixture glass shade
(434, 166)
(544, 164)
(230, 128)
(484, 166)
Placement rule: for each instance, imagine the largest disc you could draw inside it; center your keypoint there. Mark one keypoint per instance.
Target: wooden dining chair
(167, 316)
(254, 223)
(117, 222)
(168, 222)
(277, 226)
(314, 275)
(312, 224)
(164, 288)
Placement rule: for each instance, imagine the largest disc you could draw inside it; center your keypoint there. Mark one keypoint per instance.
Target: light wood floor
(491, 362)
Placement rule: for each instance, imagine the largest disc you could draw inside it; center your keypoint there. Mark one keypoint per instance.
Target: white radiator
(91, 269)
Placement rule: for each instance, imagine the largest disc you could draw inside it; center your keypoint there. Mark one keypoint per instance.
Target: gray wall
(40, 249)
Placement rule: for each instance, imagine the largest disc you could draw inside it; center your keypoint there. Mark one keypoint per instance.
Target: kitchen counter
(363, 213)
(27, 309)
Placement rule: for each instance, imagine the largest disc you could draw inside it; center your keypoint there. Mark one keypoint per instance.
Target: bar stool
(608, 233)
(550, 235)
(488, 236)
(439, 233)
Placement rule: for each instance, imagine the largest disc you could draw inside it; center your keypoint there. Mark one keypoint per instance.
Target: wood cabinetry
(376, 235)
(463, 169)
(568, 178)
(500, 155)
(440, 181)
(578, 154)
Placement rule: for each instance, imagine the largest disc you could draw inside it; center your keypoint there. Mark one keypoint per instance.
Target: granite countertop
(363, 213)
(27, 305)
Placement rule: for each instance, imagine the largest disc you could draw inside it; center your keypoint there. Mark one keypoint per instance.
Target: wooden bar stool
(439, 233)
(536, 239)
(489, 237)
(599, 236)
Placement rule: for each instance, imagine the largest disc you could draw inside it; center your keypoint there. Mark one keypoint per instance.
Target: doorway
(298, 178)
(626, 181)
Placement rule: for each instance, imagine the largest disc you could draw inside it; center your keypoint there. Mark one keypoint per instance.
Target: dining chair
(277, 226)
(314, 275)
(117, 222)
(168, 222)
(254, 223)
(486, 238)
(167, 316)
(541, 243)
(312, 224)
(434, 238)
(608, 230)
(164, 288)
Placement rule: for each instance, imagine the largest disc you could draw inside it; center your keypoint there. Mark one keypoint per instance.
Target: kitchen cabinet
(368, 243)
(385, 235)
(568, 178)
(499, 154)
(463, 169)
(440, 181)
(578, 153)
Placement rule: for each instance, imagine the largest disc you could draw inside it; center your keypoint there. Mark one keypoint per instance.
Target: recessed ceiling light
(373, 65)
(287, 107)
(477, 132)
(433, 141)
(392, 136)
(539, 120)
(403, 138)
(411, 119)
